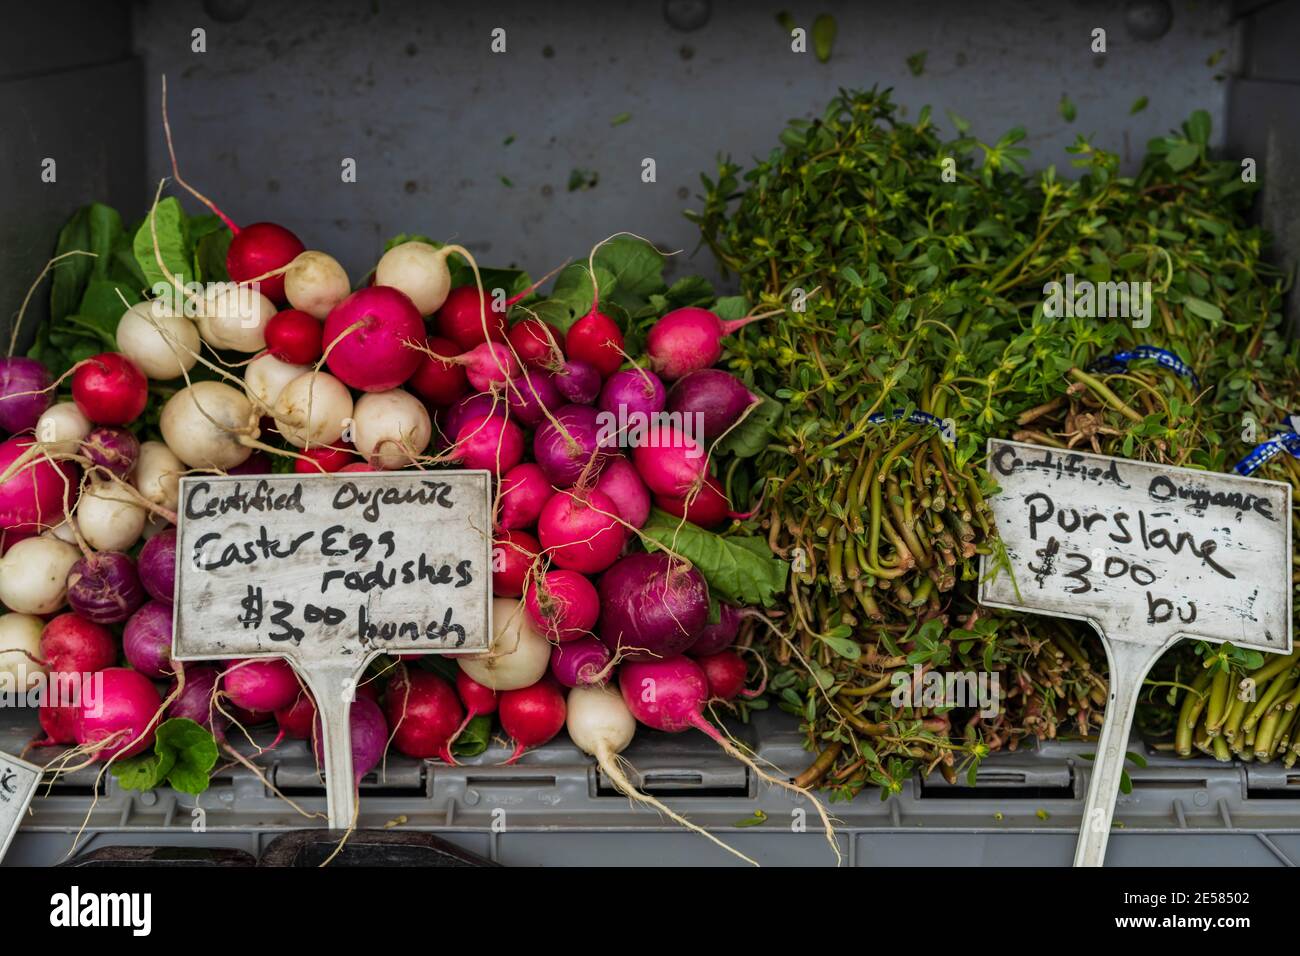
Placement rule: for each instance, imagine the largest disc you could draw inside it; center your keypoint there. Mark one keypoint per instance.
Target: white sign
(18, 780)
(328, 571)
(1147, 554)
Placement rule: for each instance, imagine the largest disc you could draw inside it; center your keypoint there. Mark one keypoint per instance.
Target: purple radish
(619, 479)
(632, 392)
(195, 700)
(565, 450)
(105, 588)
(581, 663)
(23, 398)
(531, 394)
(719, 636)
(716, 396)
(147, 640)
(652, 606)
(113, 449)
(369, 737)
(157, 565)
(578, 381)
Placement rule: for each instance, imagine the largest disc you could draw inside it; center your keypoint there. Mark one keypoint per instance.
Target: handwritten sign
(329, 571)
(18, 780)
(1147, 554)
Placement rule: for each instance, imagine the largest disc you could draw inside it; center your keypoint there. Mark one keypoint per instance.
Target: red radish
(578, 381)
(580, 532)
(563, 605)
(147, 640)
(620, 481)
(489, 442)
(632, 392)
(719, 636)
(323, 461)
(478, 700)
(38, 493)
(567, 446)
(424, 714)
(113, 449)
(261, 685)
(374, 356)
(294, 337)
(537, 343)
(59, 723)
(581, 663)
(595, 338)
(524, 490)
(123, 723)
(105, 587)
(23, 395)
(652, 605)
(531, 715)
(260, 248)
(296, 720)
(513, 554)
(688, 339)
(71, 644)
(717, 397)
(670, 463)
(706, 506)
(461, 318)
(436, 381)
(109, 389)
(369, 737)
(725, 672)
(531, 394)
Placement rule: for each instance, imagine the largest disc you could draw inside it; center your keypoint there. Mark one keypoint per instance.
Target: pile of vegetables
(913, 272)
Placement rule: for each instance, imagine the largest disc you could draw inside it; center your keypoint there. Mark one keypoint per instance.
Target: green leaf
(1205, 310)
(689, 290)
(1138, 106)
(843, 646)
(731, 307)
(583, 179)
(1182, 155)
(1198, 128)
(474, 739)
(916, 63)
(142, 772)
(70, 275)
(192, 750)
(758, 819)
(210, 256)
(1067, 109)
(753, 434)
(637, 269)
(741, 570)
(173, 243)
(823, 36)
(105, 227)
(620, 119)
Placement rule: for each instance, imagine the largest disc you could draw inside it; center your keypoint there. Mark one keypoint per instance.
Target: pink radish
(531, 715)
(619, 479)
(563, 605)
(490, 442)
(513, 554)
(261, 685)
(582, 662)
(262, 247)
(424, 714)
(524, 490)
(652, 605)
(688, 339)
(373, 356)
(38, 492)
(580, 531)
(123, 723)
(670, 463)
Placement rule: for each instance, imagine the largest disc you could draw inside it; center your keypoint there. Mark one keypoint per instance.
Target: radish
(109, 389)
(652, 605)
(314, 283)
(601, 725)
(391, 429)
(157, 565)
(486, 365)
(686, 340)
(366, 338)
(109, 518)
(260, 248)
(59, 723)
(424, 714)
(563, 605)
(670, 695)
(596, 339)
(524, 490)
(147, 640)
(706, 506)
(157, 474)
(581, 662)
(632, 392)
(670, 463)
(581, 532)
(38, 491)
(578, 381)
(536, 343)
(235, 317)
(434, 380)
(296, 720)
(113, 449)
(34, 575)
(104, 587)
(479, 701)
(265, 684)
(208, 425)
(568, 445)
(717, 637)
(313, 409)
(619, 479)
(24, 393)
(294, 336)
(419, 271)
(71, 644)
(531, 715)
(358, 466)
(472, 406)
(461, 318)
(162, 345)
(369, 737)
(718, 398)
(62, 427)
(518, 655)
(725, 671)
(513, 555)
(531, 394)
(123, 724)
(490, 442)
(266, 377)
(323, 461)
(195, 701)
(20, 647)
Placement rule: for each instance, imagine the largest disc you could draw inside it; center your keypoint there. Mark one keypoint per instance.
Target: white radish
(109, 517)
(315, 283)
(157, 474)
(62, 428)
(518, 655)
(234, 317)
(207, 424)
(20, 636)
(390, 429)
(65, 531)
(313, 409)
(34, 575)
(266, 376)
(163, 345)
(420, 271)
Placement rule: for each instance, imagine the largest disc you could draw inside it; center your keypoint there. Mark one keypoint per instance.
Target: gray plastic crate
(555, 808)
